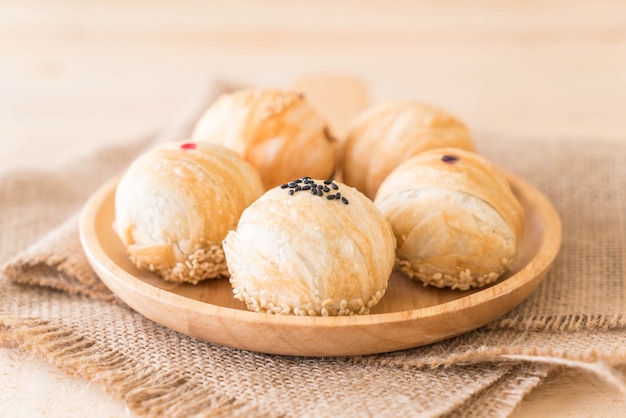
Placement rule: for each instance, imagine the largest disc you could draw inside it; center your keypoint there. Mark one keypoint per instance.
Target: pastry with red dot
(175, 204)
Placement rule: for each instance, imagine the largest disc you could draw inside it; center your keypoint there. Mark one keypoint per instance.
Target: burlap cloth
(52, 304)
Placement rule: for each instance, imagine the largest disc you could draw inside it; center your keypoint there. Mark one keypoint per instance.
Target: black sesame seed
(298, 188)
(306, 178)
(326, 189)
(313, 191)
(291, 184)
(320, 192)
(284, 186)
(330, 196)
(449, 158)
(291, 192)
(327, 181)
(337, 195)
(344, 200)
(334, 186)
(307, 187)
(298, 181)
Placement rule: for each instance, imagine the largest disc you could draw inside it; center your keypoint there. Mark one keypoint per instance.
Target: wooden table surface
(75, 74)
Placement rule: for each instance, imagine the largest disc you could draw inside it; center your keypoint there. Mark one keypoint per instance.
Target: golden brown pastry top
(458, 170)
(385, 135)
(277, 131)
(456, 220)
(296, 252)
(180, 198)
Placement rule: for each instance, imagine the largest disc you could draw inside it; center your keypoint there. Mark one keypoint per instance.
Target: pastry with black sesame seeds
(457, 222)
(277, 131)
(388, 133)
(175, 204)
(299, 253)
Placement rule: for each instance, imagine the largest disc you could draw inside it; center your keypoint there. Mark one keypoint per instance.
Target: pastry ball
(276, 131)
(311, 247)
(175, 204)
(385, 135)
(456, 220)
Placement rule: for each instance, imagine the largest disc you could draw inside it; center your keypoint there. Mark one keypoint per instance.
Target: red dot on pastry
(450, 159)
(188, 145)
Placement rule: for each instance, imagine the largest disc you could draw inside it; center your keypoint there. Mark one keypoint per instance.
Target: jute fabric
(53, 305)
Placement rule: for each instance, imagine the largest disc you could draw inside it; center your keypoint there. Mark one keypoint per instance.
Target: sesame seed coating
(329, 307)
(464, 280)
(202, 264)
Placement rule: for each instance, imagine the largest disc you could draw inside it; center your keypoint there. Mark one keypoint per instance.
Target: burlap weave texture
(52, 304)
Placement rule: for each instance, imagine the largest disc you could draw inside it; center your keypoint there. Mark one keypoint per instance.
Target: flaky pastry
(311, 247)
(385, 135)
(456, 220)
(175, 204)
(276, 131)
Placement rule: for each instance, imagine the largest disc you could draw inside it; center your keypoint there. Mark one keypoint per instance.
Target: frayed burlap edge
(463, 350)
(146, 392)
(150, 392)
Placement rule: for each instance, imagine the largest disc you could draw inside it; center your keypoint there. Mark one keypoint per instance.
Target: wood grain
(76, 75)
(409, 315)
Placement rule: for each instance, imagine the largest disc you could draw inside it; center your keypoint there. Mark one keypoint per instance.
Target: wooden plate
(409, 315)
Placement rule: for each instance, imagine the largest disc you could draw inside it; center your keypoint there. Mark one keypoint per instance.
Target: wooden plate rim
(536, 268)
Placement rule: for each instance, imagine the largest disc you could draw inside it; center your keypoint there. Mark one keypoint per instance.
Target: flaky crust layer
(389, 133)
(175, 204)
(276, 131)
(455, 217)
(308, 254)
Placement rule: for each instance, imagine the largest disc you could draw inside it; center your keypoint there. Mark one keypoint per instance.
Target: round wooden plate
(409, 315)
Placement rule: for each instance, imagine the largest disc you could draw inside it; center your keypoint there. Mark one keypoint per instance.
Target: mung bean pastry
(454, 215)
(175, 204)
(386, 134)
(311, 247)
(277, 131)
